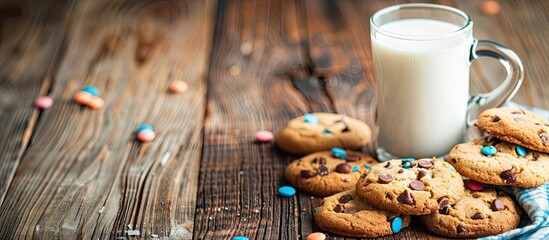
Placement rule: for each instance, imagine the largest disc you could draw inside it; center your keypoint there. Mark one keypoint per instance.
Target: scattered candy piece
(520, 150)
(96, 103)
(94, 91)
(43, 102)
(239, 238)
(396, 224)
(474, 185)
(311, 119)
(489, 7)
(367, 166)
(316, 236)
(82, 97)
(144, 127)
(263, 136)
(146, 136)
(339, 153)
(234, 71)
(488, 150)
(178, 87)
(356, 168)
(315, 210)
(246, 48)
(286, 191)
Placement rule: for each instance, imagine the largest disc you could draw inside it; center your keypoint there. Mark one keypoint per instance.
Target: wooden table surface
(71, 172)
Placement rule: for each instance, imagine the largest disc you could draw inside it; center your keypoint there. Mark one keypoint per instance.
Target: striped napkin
(535, 201)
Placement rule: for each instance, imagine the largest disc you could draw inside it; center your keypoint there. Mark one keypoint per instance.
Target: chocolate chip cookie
(411, 187)
(492, 161)
(516, 126)
(315, 132)
(479, 214)
(346, 215)
(326, 173)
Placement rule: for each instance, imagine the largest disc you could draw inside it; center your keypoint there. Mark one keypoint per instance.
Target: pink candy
(263, 136)
(43, 102)
(474, 185)
(316, 236)
(146, 136)
(178, 87)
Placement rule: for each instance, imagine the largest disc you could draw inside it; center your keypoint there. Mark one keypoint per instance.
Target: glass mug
(422, 54)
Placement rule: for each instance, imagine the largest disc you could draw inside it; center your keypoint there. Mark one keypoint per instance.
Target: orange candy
(489, 7)
(82, 97)
(96, 103)
(316, 236)
(178, 87)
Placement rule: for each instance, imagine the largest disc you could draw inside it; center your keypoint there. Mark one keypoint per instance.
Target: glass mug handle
(505, 91)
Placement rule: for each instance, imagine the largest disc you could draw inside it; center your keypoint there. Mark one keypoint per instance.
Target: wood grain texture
(74, 173)
(83, 175)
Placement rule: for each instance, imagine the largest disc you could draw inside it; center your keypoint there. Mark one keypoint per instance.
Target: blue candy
(326, 132)
(451, 169)
(286, 191)
(311, 119)
(520, 150)
(396, 224)
(408, 159)
(406, 164)
(355, 168)
(144, 127)
(91, 90)
(315, 209)
(488, 150)
(367, 166)
(239, 238)
(339, 153)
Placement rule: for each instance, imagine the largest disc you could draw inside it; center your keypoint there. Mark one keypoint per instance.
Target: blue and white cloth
(535, 201)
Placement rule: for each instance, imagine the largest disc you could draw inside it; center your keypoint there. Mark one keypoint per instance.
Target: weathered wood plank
(31, 39)
(83, 175)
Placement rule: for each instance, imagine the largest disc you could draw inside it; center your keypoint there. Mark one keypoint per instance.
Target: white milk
(422, 87)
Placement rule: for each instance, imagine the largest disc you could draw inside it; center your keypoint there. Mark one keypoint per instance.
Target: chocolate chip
(363, 175)
(544, 137)
(477, 216)
(343, 168)
(401, 170)
(339, 208)
(388, 164)
(535, 156)
(442, 202)
(422, 173)
(497, 205)
(539, 124)
(345, 198)
(307, 174)
(414, 163)
(346, 129)
(417, 185)
(323, 170)
(445, 210)
(520, 111)
(491, 140)
(461, 229)
(424, 164)
(508, 175)
(406, 198)
(320, 160)
(350, 210)
(385, 178)
(496, 118)
(352, 158)
(519, 119)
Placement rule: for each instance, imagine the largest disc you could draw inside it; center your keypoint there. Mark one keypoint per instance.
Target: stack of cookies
(366, 199)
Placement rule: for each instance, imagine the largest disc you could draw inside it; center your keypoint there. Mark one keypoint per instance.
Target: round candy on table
(316, 236)
(263, 136)
(286, 191)
(96, 103)
(489, 7)
(178, 87)
(43, 102)
(474, 185)
(94, 91)
(239, 238)
(146, 136)
(396, 224)
(82, 97)
(143, 127)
